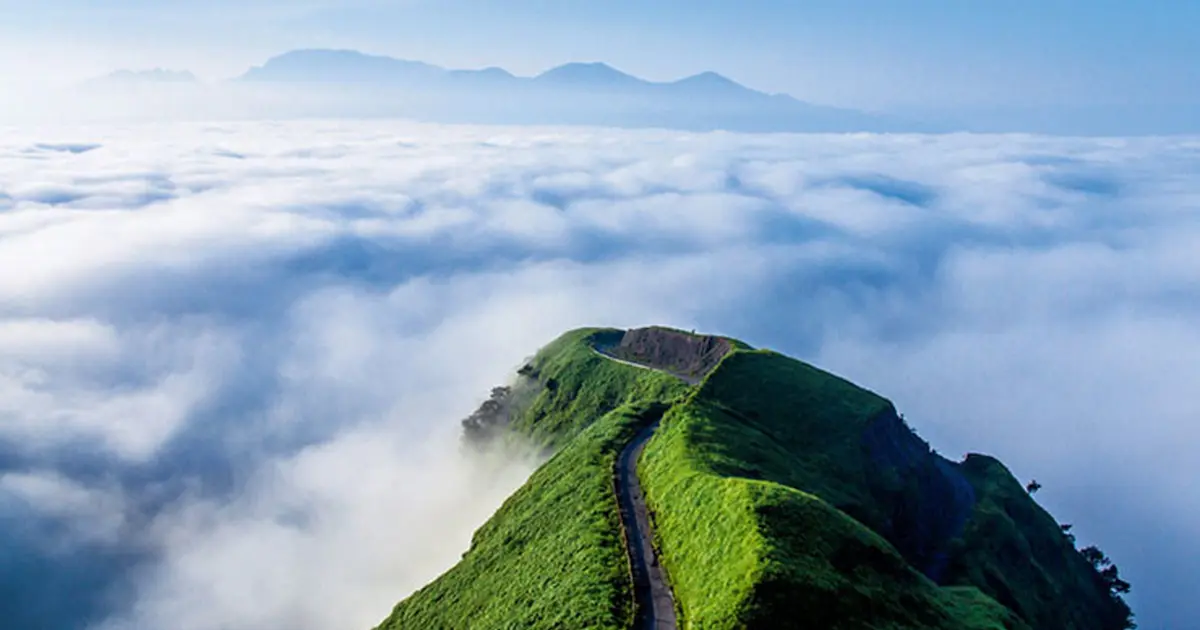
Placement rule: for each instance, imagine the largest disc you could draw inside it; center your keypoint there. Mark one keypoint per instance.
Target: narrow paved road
(655, 603)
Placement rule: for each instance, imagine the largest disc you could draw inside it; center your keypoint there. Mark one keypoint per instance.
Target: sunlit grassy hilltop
(783, 497)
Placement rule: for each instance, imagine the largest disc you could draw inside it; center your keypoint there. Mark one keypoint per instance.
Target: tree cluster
(1108, 575)
(1107, 570)
(1066, 530)
(491, 414)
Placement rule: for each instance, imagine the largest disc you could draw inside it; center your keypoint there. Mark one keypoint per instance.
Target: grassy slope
(746, 476)
(581, 386)
(746, 536)
(1016, 552)
(552, 556)
(773, 446)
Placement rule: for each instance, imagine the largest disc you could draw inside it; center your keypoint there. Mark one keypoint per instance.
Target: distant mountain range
(574, 93)
(349, 66)
(341, 66)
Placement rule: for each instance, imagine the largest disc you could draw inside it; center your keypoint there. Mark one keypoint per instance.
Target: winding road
(652, 592)
(653, 598)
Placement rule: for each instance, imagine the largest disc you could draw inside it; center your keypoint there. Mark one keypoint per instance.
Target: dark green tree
(1093, 555)
(1112, 577)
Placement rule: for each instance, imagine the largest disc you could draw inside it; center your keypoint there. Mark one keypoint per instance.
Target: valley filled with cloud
(233, 357)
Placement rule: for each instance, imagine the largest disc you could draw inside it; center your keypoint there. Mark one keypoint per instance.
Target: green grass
(1015, 551)
(978, 610)
(552, 556)
(580, 386)
(705, 527)
(785, 421)
(767, 511)
(752, 553)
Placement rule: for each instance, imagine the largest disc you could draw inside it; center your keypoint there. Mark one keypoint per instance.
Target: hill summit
(695, 482)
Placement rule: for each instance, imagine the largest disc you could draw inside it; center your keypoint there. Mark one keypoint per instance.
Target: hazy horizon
(158, 93)
(1066, 67)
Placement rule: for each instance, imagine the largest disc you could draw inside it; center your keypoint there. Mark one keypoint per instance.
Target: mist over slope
(223, 337)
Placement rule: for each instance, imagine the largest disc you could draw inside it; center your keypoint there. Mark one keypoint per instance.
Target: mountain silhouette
(296, 84)
(589, 74)
(340, 66)
(709, 82)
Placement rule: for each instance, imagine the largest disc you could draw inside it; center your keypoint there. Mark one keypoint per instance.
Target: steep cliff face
(782, 497)
(924, 499)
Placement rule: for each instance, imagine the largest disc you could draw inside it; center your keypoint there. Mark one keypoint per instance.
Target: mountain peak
(317, 64)
(710, 79)
(491, 72)
(593, 73)
(495, 71)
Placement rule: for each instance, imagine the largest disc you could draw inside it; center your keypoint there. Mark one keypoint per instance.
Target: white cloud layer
(232, 356)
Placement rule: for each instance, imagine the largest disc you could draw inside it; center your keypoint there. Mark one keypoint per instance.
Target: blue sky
(863, 53)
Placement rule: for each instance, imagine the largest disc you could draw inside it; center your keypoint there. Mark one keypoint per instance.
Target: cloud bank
(233, 356)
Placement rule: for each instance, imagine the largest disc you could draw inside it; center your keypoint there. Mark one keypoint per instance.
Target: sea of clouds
(233, 357)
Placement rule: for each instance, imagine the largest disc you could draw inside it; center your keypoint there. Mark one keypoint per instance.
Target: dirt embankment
(672, 351)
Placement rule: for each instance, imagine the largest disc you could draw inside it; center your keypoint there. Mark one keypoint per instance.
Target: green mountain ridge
(781, 496)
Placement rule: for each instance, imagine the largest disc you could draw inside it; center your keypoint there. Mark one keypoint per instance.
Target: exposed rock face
(926, 499)
(671, 350)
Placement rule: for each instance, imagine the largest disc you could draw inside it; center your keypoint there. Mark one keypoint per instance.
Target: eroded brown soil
(681, 353)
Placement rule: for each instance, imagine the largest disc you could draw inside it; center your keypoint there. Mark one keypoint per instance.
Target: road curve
(654, 602)
(690, 380)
